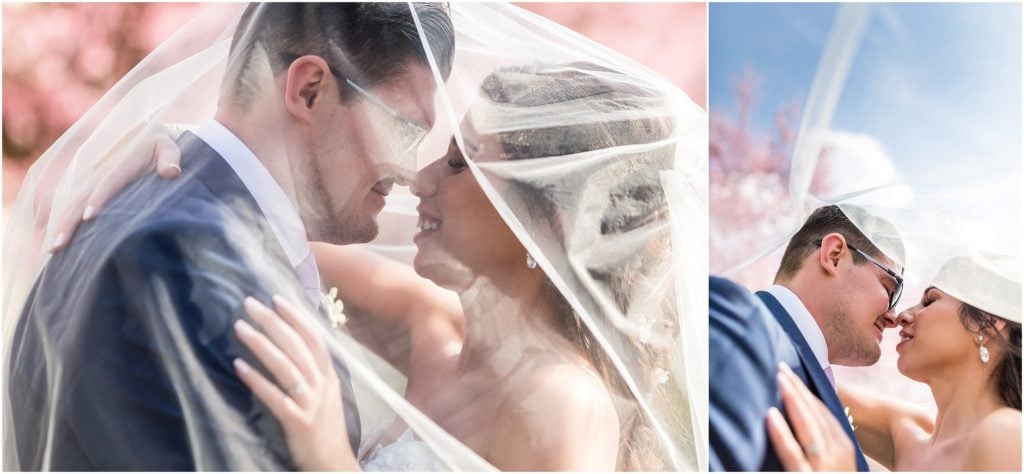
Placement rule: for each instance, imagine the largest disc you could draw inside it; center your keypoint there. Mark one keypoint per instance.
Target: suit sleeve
(742, 364)
(159, 392)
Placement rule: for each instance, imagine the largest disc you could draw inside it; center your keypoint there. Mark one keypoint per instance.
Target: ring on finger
(814, 448)
(297, 389)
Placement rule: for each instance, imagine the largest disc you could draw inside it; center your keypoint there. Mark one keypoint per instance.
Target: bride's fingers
(283, 407)
(284, 337)
(786, 447)
(89, 207)
(801, 415)
(141, 157)
(306, 329)
(285, 373)
(168, 157)
(817, 410)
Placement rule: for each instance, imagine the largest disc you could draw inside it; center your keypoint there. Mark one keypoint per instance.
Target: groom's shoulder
(732, 302)
(143, 223)
(741, 326)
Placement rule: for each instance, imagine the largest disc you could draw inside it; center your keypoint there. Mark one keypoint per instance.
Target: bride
(971, 360)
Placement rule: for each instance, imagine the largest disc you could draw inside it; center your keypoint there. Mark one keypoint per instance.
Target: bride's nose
(905, 318)
(425, 183)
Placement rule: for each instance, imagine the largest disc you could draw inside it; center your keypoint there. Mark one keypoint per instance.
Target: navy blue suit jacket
(122, 358)
(748, 337)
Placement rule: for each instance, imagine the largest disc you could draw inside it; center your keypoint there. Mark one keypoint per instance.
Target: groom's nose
(890, 318)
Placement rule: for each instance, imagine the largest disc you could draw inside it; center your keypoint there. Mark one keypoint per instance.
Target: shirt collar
(284, 219)
(804, 322)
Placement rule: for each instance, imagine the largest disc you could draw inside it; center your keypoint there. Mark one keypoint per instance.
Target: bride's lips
(427, 224)
(904, 338)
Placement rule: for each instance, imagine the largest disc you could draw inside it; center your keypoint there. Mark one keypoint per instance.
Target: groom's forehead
(891, 264)
(411, 95)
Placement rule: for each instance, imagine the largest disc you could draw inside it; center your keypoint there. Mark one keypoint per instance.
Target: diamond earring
(530, 262)
(982, 350)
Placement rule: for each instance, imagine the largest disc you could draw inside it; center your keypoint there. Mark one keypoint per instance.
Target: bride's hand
(309, 406)
(156, 149)
(820, 444)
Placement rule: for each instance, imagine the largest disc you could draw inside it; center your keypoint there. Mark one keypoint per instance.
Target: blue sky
(938, 85)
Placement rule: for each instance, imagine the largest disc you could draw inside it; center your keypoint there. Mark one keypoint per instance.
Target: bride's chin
(440, 273)
(904, 370)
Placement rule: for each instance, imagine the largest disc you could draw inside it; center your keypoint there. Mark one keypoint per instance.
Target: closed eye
(929, 297)
(455, 160)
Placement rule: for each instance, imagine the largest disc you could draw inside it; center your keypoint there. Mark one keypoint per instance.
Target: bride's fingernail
(782, 380)
(241, 366)
(252, 305)
(89, 213)
(243, 328)
(58, 242)
(171, 171)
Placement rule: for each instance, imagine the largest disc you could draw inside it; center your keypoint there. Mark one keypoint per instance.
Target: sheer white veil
(600, 175)
(915, 136)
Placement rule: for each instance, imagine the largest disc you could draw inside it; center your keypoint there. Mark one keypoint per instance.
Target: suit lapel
(819, 383)
(222, 181)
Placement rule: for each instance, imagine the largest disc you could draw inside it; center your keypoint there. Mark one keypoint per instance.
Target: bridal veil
(604, 183)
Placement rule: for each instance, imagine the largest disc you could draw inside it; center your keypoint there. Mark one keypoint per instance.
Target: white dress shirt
(281, 214)
(804, 322)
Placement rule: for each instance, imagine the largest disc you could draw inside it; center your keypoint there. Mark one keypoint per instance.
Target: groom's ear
(307, 82)
(832, 247)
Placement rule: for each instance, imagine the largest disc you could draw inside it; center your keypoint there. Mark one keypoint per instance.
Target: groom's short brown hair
(370, 43)
(823, 221)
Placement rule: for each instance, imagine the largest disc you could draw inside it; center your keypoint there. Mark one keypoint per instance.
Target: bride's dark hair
(1006, 377)
(633, 199)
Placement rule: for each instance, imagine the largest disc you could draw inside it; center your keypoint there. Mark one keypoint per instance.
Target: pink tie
(831, 378)
(309, 277)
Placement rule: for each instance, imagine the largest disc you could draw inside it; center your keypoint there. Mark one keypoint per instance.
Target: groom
(833, 296)
(122, 359)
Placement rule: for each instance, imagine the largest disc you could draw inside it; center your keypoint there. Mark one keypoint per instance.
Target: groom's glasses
(399, 136)
(897, 291)
(405, 135)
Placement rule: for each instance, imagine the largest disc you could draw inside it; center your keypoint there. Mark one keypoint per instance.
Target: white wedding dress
(404, 454)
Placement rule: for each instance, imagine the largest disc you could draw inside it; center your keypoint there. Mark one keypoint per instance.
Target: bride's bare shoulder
(995, 445)
(565, 414)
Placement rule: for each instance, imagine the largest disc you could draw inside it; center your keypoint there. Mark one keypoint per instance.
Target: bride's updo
(988, 296)
(608, 209)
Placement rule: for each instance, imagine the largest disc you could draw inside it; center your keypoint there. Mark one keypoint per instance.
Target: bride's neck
(507, 317)
(962, 400)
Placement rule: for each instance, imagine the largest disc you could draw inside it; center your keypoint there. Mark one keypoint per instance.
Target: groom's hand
(156, 149)
(820, 443)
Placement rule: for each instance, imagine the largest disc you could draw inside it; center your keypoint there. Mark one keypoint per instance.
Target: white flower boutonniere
(849, 418)
(335, 308)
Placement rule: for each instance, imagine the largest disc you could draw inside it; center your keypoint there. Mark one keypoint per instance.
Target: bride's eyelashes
(456, 162)
(928, 298)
